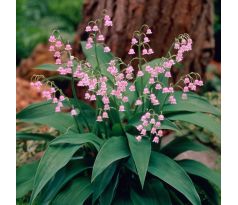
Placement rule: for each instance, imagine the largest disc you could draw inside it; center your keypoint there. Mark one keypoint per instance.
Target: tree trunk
(167, 19)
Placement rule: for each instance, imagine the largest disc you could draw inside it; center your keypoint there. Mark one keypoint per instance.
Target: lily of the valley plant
(109, 148)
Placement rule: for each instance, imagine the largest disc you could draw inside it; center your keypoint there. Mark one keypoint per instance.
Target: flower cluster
(50, 91)
(153, 123)
(112, 86)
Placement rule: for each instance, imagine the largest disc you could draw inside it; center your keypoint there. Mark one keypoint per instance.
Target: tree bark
(167, 19)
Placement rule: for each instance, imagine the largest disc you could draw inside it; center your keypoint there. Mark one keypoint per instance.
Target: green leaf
(206, 121)
(199, 169)
(141, 158)
(55, 158)
(180, 145)
(61, 178)
(113, 149)
(76, 194)
(212, 194)
(33, 136)
(168, 125)
(170, 172)
(49, 67)
(25, 178)
(154, 193)
(194, 103)
(101, 182)
(44, 113)
(107, 196)
(78, 139)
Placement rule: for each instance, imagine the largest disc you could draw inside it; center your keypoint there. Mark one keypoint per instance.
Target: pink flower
(176, 46)
(167, 74)
(139, 127)
(150, 51)
(165, 90)
(156, 140)
(121, 108)
(68, 47)
(99, 118)
(144, 52)
(151, 81)
(171, 89)
(125, 99)
(88, 29)
(146, 40)
(107, 49)
(108, 23)
(55, 100)
(200, 83)
(57, 109)
(146, 91)
(152, 121)
(140, 73)
(95, 28)
(157, 124)
(101, 37)
(161, 117)
(134, 41)
(132, 88)
(138, 138)
(52, 39)
(186, 80)
(143, 132)
(131, 51)
(186, 89)
(160, 133)
(57, 54)
(51, 48)
(88, 45)
(107, 18)
(61, 98)
(153, 130)
(148, 31)
(58, 61)
(73, 112)
(147, 115)
(158, 87)
(93, 98)
(58, 44)
(104, 115)
(138, 102)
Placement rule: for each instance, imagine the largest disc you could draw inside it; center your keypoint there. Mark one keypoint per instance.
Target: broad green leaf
(168, 125)
(140, 152)
(76, 194)
(34, 136)
(170, 172)
(194, 103)
(113, 149)
(107, 196)
(102, 181)
(49, 67)
(78, 139)
(180, 145)
(206, 121)
(55, 158)
(199, 169)
(154, 193)
(61, 178)
(212, 194)
(44, 113)
(25, 178)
